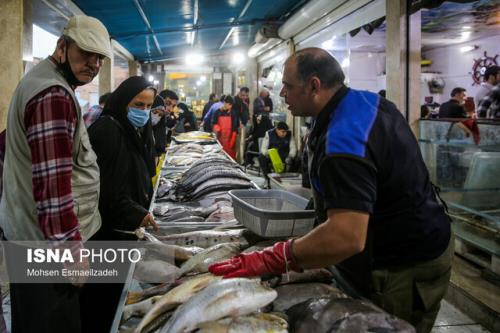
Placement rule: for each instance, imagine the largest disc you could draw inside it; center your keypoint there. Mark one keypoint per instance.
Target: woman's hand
(149, 221)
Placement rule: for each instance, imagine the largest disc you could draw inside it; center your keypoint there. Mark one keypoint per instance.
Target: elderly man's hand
(274, 260)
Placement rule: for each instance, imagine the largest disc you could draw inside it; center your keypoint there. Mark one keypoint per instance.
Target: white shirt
(482, 91)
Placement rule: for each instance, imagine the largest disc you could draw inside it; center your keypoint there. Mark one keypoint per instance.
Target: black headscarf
(116, 107)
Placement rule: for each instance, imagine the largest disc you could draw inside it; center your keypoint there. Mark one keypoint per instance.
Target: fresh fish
(175, 297)
(154, 271)
(291, 294)
(169, 252)
(200, 262)
(139, 309)
(254, 323)
(137, 296)
(209, 173)
(229, 297)
(205, 238)
(330, 314)
(223, 213)
(217, 184)
(308, 275)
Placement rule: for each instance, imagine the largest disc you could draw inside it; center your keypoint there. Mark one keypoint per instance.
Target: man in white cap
(51, 178)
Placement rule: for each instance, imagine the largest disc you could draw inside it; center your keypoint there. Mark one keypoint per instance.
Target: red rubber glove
(216, 128)
(232, 142)
(270, 261)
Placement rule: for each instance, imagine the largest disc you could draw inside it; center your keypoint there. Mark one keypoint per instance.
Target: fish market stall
(200, 224)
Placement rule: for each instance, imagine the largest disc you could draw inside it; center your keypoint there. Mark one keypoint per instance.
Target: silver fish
(155, 271)
(176, 296)
(139, 309)
(254, 323)
(169, 252)
(291, 294)
(229, 297)
(330, 314)
(200, 262)
(205, 238)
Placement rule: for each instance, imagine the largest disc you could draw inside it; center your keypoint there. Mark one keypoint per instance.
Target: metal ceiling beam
(242, 13)
(148, 25)
(198, 27)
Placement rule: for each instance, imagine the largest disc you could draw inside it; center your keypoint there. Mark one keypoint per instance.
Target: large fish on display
(331, 314)
(229, 297)
(254, 323)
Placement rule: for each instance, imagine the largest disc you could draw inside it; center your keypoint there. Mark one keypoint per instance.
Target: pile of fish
(191, 299)
(195, 136)
(212, 173)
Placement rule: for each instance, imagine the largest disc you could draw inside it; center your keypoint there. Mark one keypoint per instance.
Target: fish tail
(133, 297)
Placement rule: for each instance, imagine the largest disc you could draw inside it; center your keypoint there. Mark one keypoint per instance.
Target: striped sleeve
(50, 121)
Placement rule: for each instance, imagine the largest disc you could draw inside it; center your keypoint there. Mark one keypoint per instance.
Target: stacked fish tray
(172, 291)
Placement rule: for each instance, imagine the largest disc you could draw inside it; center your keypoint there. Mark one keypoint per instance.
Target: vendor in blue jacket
(379, 219)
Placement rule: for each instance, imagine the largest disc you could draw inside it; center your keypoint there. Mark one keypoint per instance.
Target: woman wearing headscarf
(122, 139)
(159, 126)
(187, 120)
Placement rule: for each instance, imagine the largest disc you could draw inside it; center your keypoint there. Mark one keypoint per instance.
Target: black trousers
(43, 307)
(98, 304)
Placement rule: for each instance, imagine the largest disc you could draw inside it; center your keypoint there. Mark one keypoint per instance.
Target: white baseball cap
(89, 34)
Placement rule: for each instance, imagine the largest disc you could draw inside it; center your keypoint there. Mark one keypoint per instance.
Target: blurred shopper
(454, 108)
(171, 114)
(240, 107)
(51, 170)
(489, 106)
(186, 121)
(491, 78)
(95, 111)
(259, 104)
(123, 141)
(207, 120)
(159, 123)
(260, 126)
(225, 126)
(281, 139)
(212, 99)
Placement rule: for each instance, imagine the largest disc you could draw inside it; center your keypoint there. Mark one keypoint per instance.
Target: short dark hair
(229, 99)
(382, 93)
(319, 63)
(104, 98)
(212, 96)
(282, 126)
(457, 91)
(492, 70)
(244, 89)
(170, 94)
(222, 98)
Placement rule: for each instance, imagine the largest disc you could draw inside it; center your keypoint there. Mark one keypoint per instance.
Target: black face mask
(65, 69)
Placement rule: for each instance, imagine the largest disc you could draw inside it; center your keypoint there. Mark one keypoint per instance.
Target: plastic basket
(272, 213)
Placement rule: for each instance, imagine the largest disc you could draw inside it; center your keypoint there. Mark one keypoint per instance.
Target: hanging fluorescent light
(156, 82)
(203, 78)
(151, 78)
(194, 59)
(238, 58)
(198, 83)
(236, 38)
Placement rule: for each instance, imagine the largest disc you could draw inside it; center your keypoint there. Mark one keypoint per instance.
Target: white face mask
(155, 119)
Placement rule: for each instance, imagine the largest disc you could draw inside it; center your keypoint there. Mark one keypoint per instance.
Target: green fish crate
(272, 213)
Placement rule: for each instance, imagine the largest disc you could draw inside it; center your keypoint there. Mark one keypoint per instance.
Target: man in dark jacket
(454, 108)
(159, 123)
(240, 107)
(171, 99)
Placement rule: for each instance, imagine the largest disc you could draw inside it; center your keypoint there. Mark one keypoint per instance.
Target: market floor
(449, 319)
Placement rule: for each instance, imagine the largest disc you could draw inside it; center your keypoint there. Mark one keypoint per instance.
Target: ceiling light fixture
(194, 59)
(238, 58)
(151, 78)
